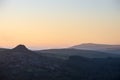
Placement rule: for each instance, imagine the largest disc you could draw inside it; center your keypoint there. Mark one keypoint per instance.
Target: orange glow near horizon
(52, 29)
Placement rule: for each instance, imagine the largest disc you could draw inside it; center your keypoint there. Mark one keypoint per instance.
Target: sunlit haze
(58, 23)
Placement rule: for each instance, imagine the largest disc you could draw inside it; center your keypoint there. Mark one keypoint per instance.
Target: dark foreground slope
(79, 68)
(21, 63)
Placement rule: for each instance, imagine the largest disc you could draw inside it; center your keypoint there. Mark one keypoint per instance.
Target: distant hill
(99, 47)
(3, 49)
(65, 53)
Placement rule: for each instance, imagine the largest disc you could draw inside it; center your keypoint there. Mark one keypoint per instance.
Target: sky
(41, 24)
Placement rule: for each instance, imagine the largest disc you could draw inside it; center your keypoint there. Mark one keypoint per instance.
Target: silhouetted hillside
(21, 63)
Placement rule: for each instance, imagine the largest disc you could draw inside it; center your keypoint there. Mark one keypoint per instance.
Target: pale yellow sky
(53, 28)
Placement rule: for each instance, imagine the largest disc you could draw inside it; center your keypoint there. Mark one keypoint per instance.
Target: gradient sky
(59, 23)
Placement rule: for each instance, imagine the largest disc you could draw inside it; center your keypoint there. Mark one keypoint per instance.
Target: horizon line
(43, 48)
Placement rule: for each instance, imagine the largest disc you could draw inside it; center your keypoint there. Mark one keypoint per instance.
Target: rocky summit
(21, 48)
